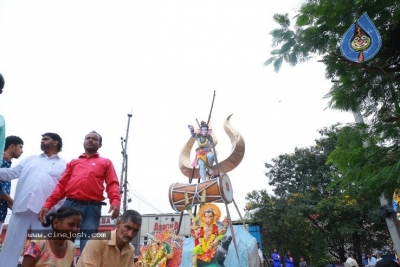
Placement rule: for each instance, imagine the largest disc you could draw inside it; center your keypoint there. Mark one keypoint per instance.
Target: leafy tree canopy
(310, 217)
(368, 155)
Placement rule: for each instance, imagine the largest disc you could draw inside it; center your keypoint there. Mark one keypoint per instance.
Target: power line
(141, 198)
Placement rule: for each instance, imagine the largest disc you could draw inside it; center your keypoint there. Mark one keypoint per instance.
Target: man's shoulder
(5, 164)
(102, 242)
(104, 159)
(96, 157)
(30, 158)
(94, 244)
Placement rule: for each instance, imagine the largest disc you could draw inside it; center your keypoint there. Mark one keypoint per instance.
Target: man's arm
(7, 198)
(92, 254)
(112, 188)
(8, 174)
(260, 255)
(57, 195)
(59, 191)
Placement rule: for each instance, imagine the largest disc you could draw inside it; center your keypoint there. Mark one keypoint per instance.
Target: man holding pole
(204, 154)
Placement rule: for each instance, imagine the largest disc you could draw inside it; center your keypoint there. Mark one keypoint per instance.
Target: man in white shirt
(38, 176)
(371, 260)
(260, 254)
(352, 261)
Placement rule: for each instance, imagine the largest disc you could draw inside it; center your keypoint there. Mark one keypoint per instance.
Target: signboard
(107, 221)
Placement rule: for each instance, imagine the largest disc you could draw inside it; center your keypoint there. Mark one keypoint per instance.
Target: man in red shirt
(82, 185)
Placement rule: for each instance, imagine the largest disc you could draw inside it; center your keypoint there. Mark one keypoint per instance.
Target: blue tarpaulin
(247, 250)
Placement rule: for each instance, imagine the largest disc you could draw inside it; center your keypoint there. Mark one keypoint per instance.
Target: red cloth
(84, 180)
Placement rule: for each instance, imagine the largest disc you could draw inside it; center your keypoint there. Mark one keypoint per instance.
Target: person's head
(351, 255)
(386, 263)
(51, 143)
(155, 245)
(208, 216)
(301, 258)
(2, 82)
(378, 255)
(275, 250)
(65, 219)
(128, 226)
(369, 255)
(92, 142)
(288, 253)
(203, 128)
(13, 146)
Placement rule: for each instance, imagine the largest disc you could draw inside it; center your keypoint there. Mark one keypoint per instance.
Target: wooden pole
(232, 232)
(240, 215)
(212, 105)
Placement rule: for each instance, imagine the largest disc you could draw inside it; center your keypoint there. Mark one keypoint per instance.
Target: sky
(76, 66)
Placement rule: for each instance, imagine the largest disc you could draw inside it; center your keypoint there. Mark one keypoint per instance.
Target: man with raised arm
(38, 176)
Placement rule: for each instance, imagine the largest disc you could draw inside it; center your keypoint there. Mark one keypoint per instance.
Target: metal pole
(392, 223)
(125, 184)
(124, 157)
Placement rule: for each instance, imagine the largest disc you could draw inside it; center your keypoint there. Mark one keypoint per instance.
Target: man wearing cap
(83, 185)
(38, 176)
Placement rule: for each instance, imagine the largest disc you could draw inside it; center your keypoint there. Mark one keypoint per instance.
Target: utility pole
(125, 184)
(124, 172)
(391, 220)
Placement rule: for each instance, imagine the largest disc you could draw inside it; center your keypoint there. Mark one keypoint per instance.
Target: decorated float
(213, 239)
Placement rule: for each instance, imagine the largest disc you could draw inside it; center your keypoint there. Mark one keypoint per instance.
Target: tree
(334, 220)
(284, 229)
(371, 88)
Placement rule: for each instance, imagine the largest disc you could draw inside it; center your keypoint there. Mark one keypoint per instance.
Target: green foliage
(368, 157)
(310, 216)
(366, 164)
(285, 229)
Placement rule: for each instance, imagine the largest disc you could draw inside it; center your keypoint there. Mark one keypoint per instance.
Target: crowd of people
(66, 196)
(276, 261)
(368, 261)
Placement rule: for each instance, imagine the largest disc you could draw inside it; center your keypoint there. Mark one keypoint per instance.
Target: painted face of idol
(204, 131)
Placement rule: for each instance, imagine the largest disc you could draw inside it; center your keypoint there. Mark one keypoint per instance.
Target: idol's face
(208, 217)
(204, 130)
